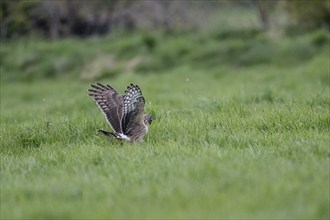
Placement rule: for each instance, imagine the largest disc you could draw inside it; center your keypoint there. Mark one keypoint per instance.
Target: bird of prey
(125, 114)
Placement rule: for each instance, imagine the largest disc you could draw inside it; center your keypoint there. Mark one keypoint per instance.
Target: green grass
(228, 140)
(150, 52)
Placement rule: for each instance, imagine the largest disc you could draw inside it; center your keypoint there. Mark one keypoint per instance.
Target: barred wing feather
(133, 108)
(111, 104)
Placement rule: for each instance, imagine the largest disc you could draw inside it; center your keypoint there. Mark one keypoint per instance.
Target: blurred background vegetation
(63, 18)
(101, 38)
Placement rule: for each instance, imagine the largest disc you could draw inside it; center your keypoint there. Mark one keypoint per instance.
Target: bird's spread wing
(111, 104)
(133, 108)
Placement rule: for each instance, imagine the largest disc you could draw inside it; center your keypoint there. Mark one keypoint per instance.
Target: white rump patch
(125, 137)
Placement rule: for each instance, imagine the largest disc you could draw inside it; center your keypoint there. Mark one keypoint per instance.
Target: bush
(310, 14)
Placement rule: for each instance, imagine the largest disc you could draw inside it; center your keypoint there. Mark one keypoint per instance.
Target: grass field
(238, 132)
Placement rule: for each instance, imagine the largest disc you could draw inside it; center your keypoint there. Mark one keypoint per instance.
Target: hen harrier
(125, 114)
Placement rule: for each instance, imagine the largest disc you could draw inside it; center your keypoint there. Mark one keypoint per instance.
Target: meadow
(241, 127)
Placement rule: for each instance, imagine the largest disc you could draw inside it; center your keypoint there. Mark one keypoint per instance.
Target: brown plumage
(125, 114)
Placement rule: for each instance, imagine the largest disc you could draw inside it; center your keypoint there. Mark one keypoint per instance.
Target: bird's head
(147, 119)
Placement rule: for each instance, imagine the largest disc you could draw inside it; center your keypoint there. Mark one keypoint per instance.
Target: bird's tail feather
(108, 133)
